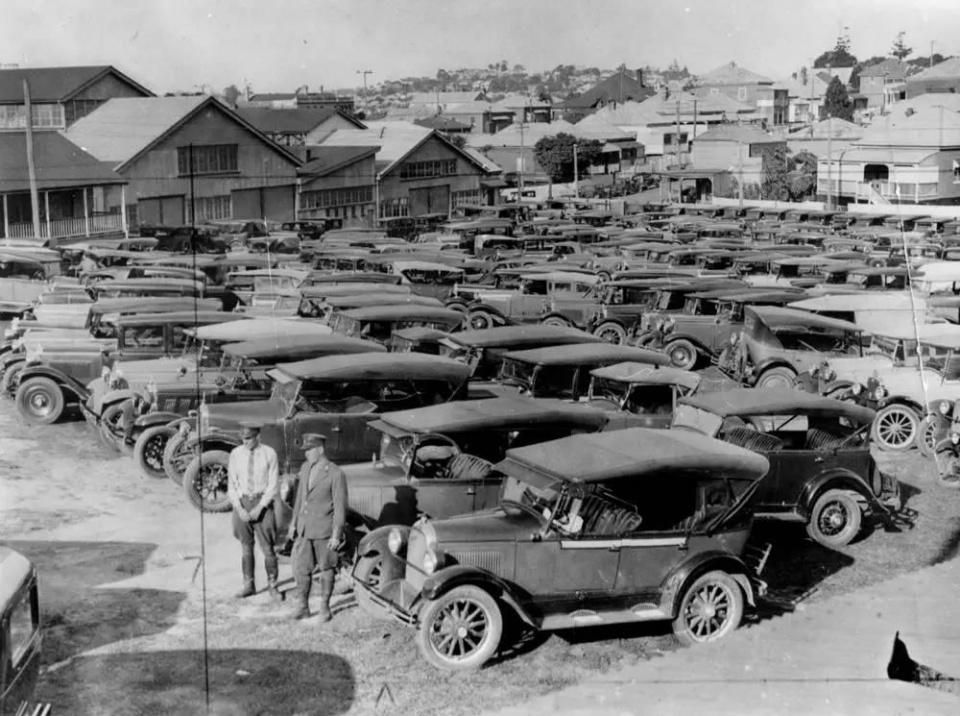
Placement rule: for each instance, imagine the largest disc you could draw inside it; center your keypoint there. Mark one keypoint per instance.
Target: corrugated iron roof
(732, 74)
(59, 163)
(948, 69)
(620, 87)
(55, 84)
(289, 121)
(326, 160)
(745, 133)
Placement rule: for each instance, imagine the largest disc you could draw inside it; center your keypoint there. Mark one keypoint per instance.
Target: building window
(211, 207)
(741, 93)
(428, 170)
(471, 197)
(77, 108)
(208, 159)
(394, 207)
(47, 115)
(326, 198)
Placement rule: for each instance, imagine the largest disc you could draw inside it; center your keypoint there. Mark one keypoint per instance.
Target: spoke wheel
(148, 450)
(711, 608)
(205, 481)
(932, 430)
(611, 333)
(478, 320)
(835, 519)
(461, 629)
(895, 428)
(176, 457)
(40, 400)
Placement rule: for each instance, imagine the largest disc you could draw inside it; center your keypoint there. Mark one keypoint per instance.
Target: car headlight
(879, 392)
(944, 407)
(431, 560)
(955, 438)
(855, 389)
(395, 541)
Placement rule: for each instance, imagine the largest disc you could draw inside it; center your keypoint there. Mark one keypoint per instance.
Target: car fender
(212, 440)
(438, 584)
(769, 363)
(557, 314)
(487, 308)
(837, 479)
(10, 359)
(677, 336)
(189, 421)
(117, 396)
(376, 539)
(67, 383)
(673, 587)
(149, 420)
(902, 400)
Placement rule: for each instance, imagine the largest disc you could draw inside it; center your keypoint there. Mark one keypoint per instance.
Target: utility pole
(678, 133)
(31, 167)
(520, 169)
(829, 162)
(365, 73)
(576, 176)
(740, 174)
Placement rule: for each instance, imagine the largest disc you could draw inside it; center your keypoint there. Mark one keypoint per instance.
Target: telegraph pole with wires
(365, 73)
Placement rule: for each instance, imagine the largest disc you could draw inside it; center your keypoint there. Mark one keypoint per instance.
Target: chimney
(639, 73)
(664, 92)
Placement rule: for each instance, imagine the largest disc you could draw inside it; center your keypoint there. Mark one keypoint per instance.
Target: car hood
(366, 474)
(494, 525)
(229, 416)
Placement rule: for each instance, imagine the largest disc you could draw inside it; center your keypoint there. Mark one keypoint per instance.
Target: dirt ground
(136, 592)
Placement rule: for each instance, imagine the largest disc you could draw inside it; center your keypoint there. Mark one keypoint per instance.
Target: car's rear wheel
(148, 450)
(895, 427)
(710, 609)
(461, 629)
(611, 332)
(558, 321)
(205, 481)
(779, 378)
(835, 519)
(40, 400)
(683, 354)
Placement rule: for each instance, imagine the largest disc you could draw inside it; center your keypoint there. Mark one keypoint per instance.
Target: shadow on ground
(241, 682)
(77, 613)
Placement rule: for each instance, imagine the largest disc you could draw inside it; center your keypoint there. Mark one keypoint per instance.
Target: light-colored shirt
(246, 477)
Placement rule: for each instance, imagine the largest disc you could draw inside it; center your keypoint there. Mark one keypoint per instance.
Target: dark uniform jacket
(320, 508)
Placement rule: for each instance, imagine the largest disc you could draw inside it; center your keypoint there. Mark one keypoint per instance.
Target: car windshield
(395, 451)
(541, 496)
(609, 388)
(703, 421)
(946, 362)
(517, 373)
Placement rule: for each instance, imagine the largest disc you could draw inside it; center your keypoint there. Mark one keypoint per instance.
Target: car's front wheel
(932, 430)
(557, 321)
(683, 354)
(175, 454)
(374, 570)
(835, 519)
(478, 320)
(461, 629)
(40, 400)
(895, 427)
(779, 378)
(611, 332)
(148, 450)
(711, 608)
(205, 481)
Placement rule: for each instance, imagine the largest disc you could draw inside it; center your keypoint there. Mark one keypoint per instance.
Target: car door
(789, 471)
(565, 574)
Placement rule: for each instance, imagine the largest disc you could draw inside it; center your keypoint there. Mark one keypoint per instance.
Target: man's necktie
(250, 469)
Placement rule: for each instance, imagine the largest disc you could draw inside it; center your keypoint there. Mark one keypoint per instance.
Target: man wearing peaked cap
(319, 517)
(252, 475)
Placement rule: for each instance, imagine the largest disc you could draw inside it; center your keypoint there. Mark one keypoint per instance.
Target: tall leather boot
(326, 589)
(272, 571)
(302, 609)
(246, 564)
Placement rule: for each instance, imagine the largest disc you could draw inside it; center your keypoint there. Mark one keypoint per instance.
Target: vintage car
(437, 461)
(334, 395)
(24, 273)
(649, 392)
(703, 328)
(260, 282)
(54, 375)
(170, 287)
(821, 471)
(564, 371)
(429, 278)
(776, 344)
(604, 528)
(484, 349)
(377, 323)
(417, 340)
(20, 634)
(489, 307)
(148, 418)
(372, 297)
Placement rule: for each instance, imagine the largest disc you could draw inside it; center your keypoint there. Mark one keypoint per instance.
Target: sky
(279, 45)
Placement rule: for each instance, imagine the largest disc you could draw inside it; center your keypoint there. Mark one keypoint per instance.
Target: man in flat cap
(319, 516)
(252, 476)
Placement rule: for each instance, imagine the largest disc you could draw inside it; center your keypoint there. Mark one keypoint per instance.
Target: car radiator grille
(483, 559)
(416, 548)
(366, 504)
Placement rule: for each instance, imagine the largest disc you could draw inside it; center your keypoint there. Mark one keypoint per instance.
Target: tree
(231, 94)
(837, 102)
(774, 181)
(900, 49)
(803, 177)
(839, 56)
(555, 155)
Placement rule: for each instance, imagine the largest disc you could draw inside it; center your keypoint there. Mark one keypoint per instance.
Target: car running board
(589, 617)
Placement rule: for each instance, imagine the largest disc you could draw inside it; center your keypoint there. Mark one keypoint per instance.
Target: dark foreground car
(604, 528)
(20, 637)
(821, 471)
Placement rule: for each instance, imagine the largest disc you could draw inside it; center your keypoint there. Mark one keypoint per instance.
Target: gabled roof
(59, 163)
(438, 121)
(930, 126)
(747, 134)
(122, 129)
(291, 121)
(891, 68)
(619, 87)
(396, 141)
(517, 101)
(948, 69)
(445, 97)
(835, 128)
(732, 74)
(56, 84)
(325, 160)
